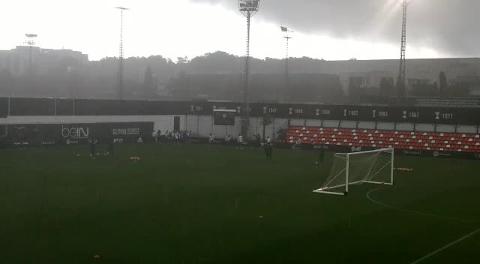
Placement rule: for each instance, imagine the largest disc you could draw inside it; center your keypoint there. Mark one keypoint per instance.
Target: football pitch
(219, 204)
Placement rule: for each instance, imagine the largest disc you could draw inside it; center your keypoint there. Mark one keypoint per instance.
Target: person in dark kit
(92, 142)
(258, 140)
(320, 157)
(110, 146)
(268, 148)
(228, 139)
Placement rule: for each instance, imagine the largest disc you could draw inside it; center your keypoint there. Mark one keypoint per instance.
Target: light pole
(402, 72)
(248, 8)
(30, 42)
(120, 57)
(287, 38)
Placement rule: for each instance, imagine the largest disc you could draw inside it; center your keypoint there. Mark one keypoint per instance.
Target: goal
(375, 167)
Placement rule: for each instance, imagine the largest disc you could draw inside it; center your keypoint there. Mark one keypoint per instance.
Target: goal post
(372, 167)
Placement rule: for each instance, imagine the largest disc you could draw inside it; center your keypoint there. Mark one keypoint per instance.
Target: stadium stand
(371, 138)
(450, 129)
(438, 102)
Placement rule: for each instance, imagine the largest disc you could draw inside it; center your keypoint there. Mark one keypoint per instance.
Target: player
(240, 140)
(258, 140)
(320, 157)
(268, 148)
(111, 142)
(92, 143)
(155, 136)
(228, 139)
(269, 140)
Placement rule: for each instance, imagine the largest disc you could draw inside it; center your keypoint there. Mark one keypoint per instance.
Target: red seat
(453, 142)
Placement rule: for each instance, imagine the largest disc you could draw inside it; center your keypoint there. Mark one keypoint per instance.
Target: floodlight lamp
(249, 5)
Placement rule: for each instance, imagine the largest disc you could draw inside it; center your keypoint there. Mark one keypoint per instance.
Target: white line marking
(446, 246)
(413, 211)
(431, 215)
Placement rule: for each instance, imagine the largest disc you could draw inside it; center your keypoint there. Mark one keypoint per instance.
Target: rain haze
(239, 131)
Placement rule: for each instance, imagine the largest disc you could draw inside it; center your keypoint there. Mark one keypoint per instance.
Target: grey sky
(329, 29)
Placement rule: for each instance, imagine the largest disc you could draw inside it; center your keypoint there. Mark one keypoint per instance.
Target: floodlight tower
(248, 8)
(287, 57)
(401, 81)
(120, 57)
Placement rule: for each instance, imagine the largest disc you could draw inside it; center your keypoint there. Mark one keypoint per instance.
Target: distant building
(427, 70)
(219, 76)
(23, 59)
(263, 87)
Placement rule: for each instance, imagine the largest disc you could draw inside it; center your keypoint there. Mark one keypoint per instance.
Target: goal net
(374, 167)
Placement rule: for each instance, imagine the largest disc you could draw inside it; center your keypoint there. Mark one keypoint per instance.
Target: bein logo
(75, 132)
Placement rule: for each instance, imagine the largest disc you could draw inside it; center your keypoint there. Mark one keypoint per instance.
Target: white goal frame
(331, 189)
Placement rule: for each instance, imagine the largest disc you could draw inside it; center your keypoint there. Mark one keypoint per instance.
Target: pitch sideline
(435, 252)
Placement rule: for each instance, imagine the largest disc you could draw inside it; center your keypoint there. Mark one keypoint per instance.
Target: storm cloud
(449, 26)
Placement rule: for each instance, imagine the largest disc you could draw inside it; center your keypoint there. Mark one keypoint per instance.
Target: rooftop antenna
(248, 8)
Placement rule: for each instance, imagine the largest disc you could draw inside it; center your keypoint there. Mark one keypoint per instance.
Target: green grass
(214, 204)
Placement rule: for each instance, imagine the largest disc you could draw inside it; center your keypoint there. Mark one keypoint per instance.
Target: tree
(149, 87)
(356, 88)
(6, 82)
(423, 88)
(387, 85)
(182, 60)
(267, 120)
(459, 89)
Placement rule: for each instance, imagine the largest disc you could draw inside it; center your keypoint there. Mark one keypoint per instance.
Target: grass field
(215, 204)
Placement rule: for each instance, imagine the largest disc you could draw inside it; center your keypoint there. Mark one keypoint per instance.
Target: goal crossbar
(367, 152)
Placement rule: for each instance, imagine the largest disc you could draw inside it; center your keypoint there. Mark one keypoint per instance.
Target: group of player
(171, 136)
(93, 142)
(267, 143)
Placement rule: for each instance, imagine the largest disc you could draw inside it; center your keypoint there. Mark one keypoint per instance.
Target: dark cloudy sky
(450, 27)
(330, 29)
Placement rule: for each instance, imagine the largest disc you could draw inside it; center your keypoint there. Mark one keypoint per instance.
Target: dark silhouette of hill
(219, 76)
